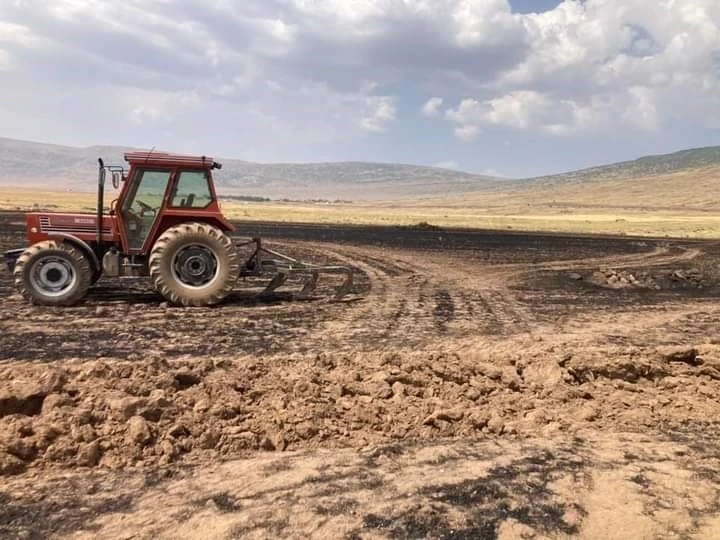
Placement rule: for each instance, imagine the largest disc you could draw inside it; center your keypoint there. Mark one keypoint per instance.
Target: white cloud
(143, 113)
(432, 106)
(604, 65)
(523, 110)
(380, 111)
(519, 110)
(18, 34)
(187, 64)
(281, 78)
(467, 132)
(484, 23)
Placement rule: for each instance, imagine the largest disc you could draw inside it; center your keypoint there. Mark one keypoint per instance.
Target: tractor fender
(11, 256)
(83, 246)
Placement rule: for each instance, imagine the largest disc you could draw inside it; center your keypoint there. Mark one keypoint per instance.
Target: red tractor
(166, 223)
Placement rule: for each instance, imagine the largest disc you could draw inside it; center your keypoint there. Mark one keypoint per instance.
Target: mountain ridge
(653, 164)
(25, 163)
(54, 166)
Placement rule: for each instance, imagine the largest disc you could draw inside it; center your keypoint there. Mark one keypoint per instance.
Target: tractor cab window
(192, 190)
(143, 204)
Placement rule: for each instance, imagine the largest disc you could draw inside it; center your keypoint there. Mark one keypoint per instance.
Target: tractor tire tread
(170, 241)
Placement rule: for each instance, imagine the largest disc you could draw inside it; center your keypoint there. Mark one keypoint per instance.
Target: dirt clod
(88, 455)
(55, 401)
(511, 379)
(127, 407)
(10, 464)
(711, 372)
(496, 424)
(687, 355)
(138, 431)
(451, 415)
(273, 442)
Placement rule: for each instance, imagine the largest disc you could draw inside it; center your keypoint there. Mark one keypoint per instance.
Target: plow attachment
(265, 262)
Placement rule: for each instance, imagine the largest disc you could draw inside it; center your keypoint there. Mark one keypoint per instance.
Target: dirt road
(473, 385)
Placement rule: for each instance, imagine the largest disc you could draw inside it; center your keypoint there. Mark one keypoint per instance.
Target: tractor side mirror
(117, 177)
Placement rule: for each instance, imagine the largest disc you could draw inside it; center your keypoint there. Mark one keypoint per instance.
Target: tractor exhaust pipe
(101, 199)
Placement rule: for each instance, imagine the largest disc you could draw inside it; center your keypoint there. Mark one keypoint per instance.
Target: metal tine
(284, 265)
(309, 286)
(277, 280)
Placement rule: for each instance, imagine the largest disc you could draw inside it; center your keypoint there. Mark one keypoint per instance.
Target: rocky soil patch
(658, 280)
(115, 413)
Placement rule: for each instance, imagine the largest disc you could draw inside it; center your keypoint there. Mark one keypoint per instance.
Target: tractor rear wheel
(53, 273)
(194, 264)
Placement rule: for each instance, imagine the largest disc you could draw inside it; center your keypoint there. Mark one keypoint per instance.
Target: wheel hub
(195, 265)
(53, 276)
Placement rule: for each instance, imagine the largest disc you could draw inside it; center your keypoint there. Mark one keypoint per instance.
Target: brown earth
(474, 385)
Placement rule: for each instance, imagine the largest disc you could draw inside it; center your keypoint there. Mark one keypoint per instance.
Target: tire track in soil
(394, 294)
(402, 298)
(483, 303)
(377, 316)
(444, 311)
(407, 305)
(521, 309)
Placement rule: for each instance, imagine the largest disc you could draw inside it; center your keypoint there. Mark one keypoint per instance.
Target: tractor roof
(162, 159)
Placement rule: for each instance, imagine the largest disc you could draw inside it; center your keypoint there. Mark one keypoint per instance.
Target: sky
(515, 88)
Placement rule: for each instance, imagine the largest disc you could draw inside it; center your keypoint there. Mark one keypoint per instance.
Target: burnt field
(412, 288)
(471, 344)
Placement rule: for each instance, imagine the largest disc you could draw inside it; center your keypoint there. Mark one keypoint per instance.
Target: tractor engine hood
(79, 224)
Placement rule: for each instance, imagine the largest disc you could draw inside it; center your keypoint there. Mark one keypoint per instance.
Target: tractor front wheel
(53, 273)
(194, 264)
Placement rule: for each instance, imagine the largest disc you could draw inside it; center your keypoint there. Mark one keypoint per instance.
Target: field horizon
(666, 195)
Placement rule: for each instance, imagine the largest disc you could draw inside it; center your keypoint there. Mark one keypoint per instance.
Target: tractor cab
(160, 189)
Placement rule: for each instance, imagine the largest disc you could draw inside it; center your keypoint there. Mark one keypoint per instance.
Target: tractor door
(143, 204)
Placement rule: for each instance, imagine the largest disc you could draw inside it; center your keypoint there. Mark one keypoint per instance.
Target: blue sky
(533, 6)
(519, 88)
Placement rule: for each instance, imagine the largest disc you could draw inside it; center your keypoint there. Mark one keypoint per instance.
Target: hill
(684, 180)
(644, 167)
(55, 167)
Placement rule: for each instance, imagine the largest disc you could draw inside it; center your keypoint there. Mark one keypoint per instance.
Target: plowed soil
(472, 385)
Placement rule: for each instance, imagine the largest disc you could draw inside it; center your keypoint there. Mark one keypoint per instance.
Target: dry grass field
(682, 204)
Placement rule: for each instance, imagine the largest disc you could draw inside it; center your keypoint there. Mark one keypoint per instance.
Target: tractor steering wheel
(132, 216)
(144, 207)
